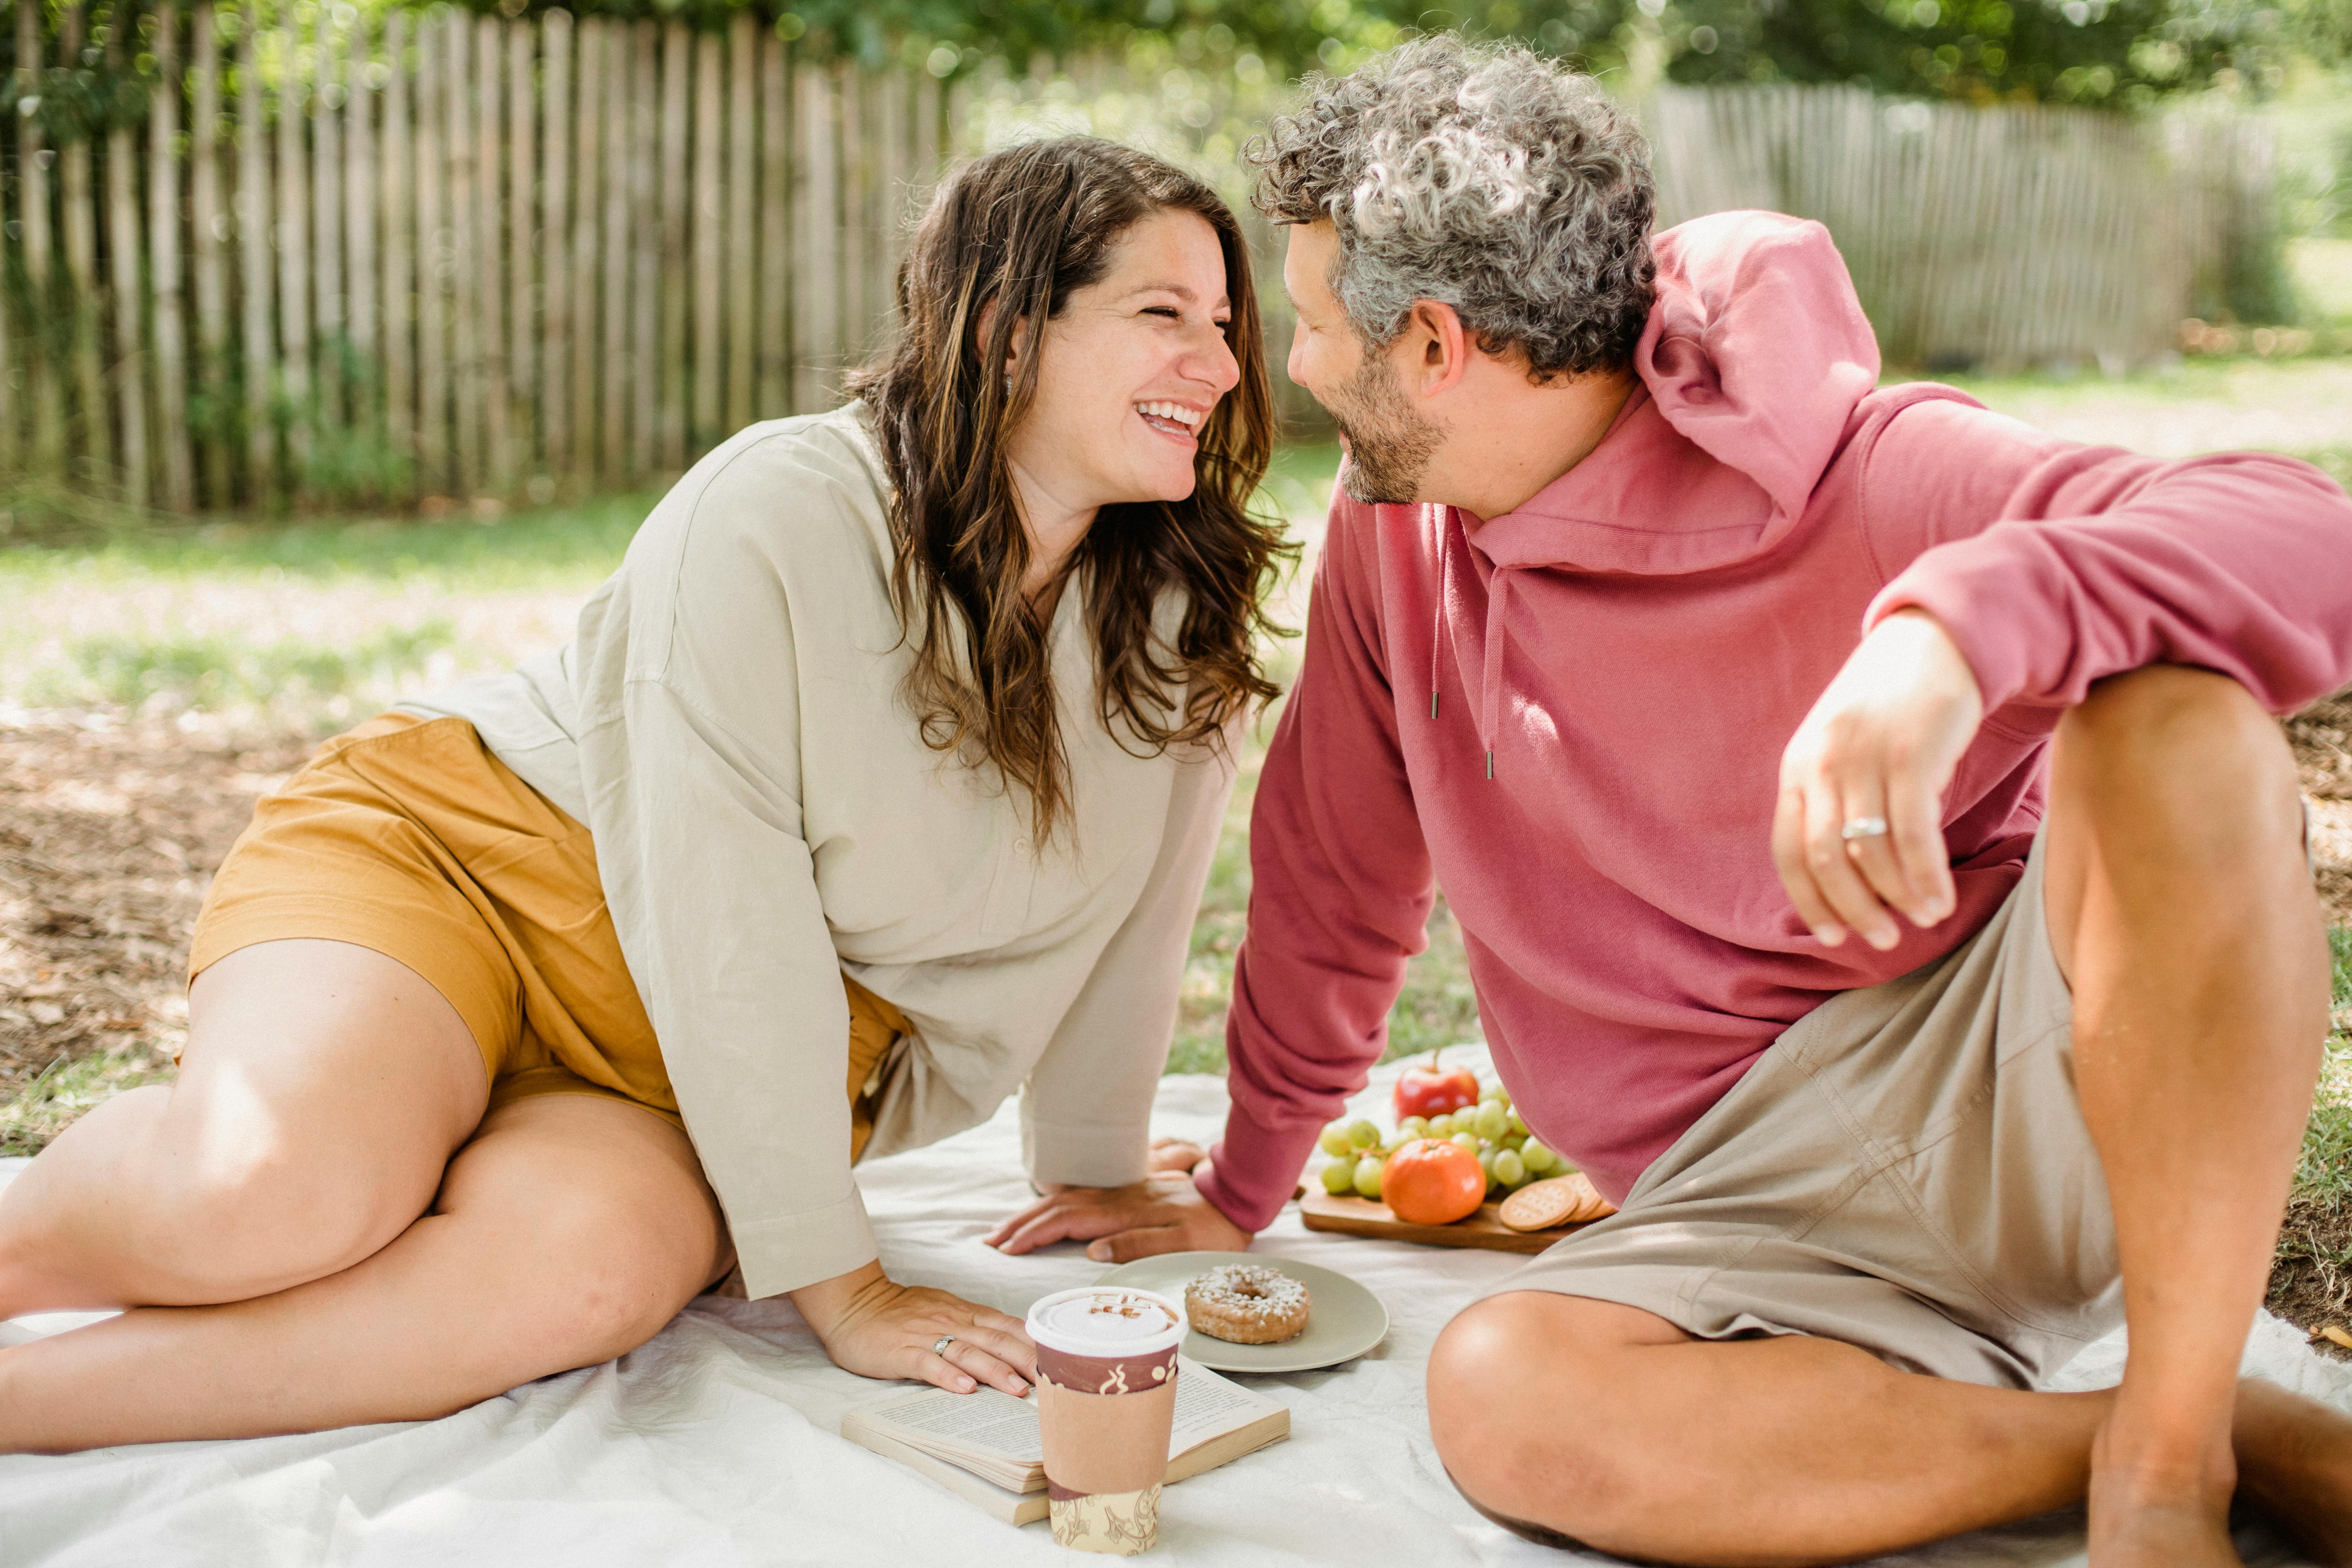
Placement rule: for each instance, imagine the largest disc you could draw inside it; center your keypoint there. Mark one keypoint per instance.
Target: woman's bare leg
(567, 1232)
(323, 1088)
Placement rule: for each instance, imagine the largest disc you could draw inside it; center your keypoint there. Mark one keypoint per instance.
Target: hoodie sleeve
(2053, 564)
(1339, 893)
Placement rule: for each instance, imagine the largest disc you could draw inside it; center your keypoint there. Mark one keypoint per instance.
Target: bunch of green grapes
(1510, 1155)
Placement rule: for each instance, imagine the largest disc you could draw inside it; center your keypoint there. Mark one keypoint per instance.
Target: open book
(985, 1446)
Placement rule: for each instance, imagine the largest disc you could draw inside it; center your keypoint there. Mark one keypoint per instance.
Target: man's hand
(1882, 743)
(876, 1326)
(1162, 1212)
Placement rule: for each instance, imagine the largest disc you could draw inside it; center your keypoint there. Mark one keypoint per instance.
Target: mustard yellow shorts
(408, 837)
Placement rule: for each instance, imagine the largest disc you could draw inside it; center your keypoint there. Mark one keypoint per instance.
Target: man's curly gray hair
(1487, 178)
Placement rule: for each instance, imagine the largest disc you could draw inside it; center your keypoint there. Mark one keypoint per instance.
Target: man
(1919, 1048)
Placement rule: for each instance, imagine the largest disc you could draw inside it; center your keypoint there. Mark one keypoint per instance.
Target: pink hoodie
(1633, 649)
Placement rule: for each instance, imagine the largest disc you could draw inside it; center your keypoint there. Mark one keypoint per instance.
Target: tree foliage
(2105, 53)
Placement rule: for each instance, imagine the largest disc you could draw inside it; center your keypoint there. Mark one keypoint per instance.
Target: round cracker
(1539, 1206)
(1572, 1199)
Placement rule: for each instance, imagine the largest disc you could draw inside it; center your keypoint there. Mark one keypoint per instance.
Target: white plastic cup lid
(1108, 1320)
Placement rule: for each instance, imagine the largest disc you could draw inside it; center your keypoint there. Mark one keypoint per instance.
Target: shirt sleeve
(1339, 894)
(695, 804)
(1085, 1112)
(2053, 564)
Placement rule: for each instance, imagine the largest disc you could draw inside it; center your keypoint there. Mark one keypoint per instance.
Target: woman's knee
(238, 1211)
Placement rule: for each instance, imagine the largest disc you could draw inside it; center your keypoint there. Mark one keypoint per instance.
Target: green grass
(217, 671)
(67, 1087)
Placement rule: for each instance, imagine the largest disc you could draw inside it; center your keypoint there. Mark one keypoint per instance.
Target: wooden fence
(458, 257)
(2003, 237)
(448, 257)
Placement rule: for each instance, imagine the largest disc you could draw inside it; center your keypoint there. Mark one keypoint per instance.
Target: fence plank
(652, 249)
(464, 213)
(293, 261)
(78, 198)
(557, 331)
(124, 244)
(742, 218)
(816, 234)
(175, 469)
(676, 225)
(775, 392)
(398, 187)
(593, 107)
(618, 98)
(208, 228)
(489, 242)
(707, 416)
(327, 216)
(363, 296)
(48, 433)
(522, 171)
(258, 365)
(436, 262)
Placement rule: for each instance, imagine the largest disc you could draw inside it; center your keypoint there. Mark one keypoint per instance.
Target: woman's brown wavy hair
(1024, 228)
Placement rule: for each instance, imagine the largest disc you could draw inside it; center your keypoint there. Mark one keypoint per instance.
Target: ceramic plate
(1345, 1321)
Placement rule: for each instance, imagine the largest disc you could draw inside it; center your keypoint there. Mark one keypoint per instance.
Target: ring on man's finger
(939, 1346)
(1863, 828)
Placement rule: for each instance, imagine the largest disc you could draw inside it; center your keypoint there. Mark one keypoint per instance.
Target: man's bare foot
(2295, 1463)
(2130, 1529)
(2158, 1502)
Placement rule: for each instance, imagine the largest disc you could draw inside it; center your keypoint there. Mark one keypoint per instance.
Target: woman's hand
(1162, 1212)
(876, 1326)
(1882, 743)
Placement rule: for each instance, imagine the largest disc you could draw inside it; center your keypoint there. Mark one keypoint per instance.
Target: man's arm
(1338, 902)
(2026, 569)
(1339, 894)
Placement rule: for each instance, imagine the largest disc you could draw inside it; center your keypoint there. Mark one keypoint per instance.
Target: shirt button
(1021, 846)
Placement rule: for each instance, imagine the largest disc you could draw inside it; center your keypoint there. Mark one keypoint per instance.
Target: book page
(1208, 1406)
(989, 1419)
(994, 1422)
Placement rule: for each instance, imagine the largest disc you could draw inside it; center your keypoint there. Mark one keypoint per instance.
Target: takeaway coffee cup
(1106, 1403)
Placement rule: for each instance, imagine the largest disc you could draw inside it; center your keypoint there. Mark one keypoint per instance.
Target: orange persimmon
(1433, 1181)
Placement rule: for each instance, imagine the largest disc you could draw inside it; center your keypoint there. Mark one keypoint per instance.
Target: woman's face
(1129, 371)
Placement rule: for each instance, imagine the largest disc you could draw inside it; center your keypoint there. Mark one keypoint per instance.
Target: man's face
(1390, 441)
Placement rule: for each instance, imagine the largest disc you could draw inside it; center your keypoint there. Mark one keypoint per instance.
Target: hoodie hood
(1753, 360)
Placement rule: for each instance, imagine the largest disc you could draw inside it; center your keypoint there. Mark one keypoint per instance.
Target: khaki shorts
(408, 837)
(1906, 1169)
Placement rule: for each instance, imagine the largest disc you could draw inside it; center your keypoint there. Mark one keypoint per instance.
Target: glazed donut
(1248, 1304)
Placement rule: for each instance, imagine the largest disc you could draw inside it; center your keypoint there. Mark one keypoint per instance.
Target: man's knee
(2190, 748)
(1523, 1389)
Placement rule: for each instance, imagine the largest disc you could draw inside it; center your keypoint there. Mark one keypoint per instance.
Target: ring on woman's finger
(1863, 828)
(939, 1346)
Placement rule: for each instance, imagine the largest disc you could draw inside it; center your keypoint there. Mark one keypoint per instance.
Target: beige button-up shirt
(727, 723)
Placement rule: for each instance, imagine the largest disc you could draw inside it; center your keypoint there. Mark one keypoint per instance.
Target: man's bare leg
(2182, 911)
(1612, 1427)
(2190, 930)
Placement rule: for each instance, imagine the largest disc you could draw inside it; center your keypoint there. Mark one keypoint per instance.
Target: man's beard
(1388, 443)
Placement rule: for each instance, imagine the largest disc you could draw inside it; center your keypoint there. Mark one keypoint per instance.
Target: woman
(892, 759)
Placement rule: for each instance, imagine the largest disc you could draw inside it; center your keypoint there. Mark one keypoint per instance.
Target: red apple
(1433, 1090)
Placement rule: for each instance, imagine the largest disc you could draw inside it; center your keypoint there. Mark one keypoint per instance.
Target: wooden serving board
(1362, 1217)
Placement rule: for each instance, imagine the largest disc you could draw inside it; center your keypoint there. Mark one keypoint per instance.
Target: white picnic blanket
(715, 1445)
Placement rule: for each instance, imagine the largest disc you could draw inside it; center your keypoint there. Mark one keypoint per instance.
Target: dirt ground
(109, 831)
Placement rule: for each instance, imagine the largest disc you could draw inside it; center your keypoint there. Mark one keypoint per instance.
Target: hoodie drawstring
(1490, 701)
(1498, 588)
(1437, 516)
